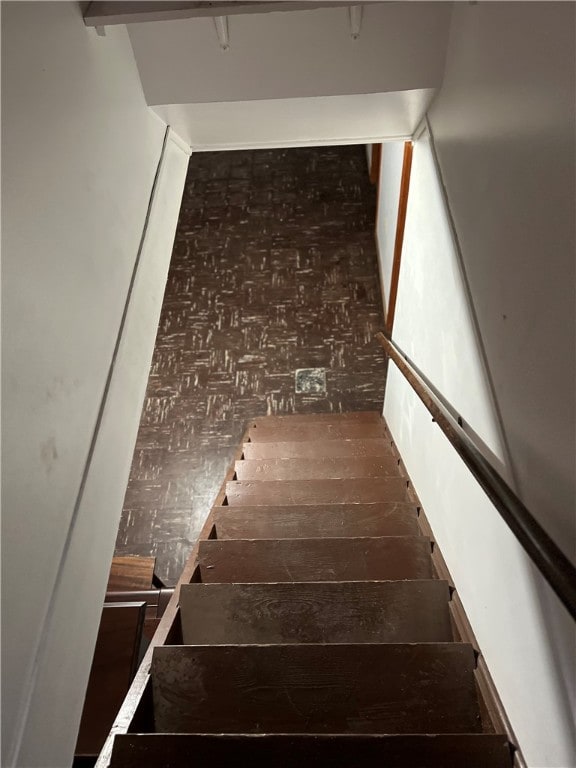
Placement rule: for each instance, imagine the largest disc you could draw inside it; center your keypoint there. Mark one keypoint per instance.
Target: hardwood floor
(274, 269)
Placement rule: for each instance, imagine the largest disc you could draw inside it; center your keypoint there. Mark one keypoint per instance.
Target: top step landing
(297, 428)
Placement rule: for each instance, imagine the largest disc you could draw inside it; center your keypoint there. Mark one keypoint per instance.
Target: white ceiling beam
(109, 12)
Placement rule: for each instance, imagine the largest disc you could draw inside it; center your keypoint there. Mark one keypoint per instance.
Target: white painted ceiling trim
(320, 121)
(290, 144)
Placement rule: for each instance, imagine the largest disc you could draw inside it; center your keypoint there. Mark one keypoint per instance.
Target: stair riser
(425, 688)
(329, 449)
(354, 491)
(358, 612)
(274, 433)
(315, 469)
(301, 560)
(322, 418)
(336, 520)
(185, 751)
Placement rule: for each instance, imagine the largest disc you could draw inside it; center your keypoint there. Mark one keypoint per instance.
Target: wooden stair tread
(389, 751)
(299, 418)
(275, 432)
(381, 688)
(316, 468)
(329, 449)
(330, 559)
(350, 491)
(319, 612)
(315, 521)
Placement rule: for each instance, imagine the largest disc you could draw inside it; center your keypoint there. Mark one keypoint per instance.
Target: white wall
(391, 163)
(291, 55)
(504, 129)
(80, 150)
(504, 126)
(293, 122)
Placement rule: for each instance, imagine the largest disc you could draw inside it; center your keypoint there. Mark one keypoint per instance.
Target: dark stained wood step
(320, 612)
(329, 449)
(350, 491)
(381, 688)
(288, 560)
(168, 750)
(316, 521)
(296, 432)
(316, 469)
(336, 418)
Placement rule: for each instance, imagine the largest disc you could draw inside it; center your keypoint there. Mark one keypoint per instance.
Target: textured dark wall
(274, 269)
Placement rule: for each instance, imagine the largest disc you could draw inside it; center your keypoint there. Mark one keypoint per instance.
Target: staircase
(314, 629)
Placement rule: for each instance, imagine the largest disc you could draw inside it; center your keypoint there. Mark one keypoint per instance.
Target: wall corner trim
(179, 141)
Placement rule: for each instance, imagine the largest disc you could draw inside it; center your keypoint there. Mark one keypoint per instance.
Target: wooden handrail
(552, 563)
